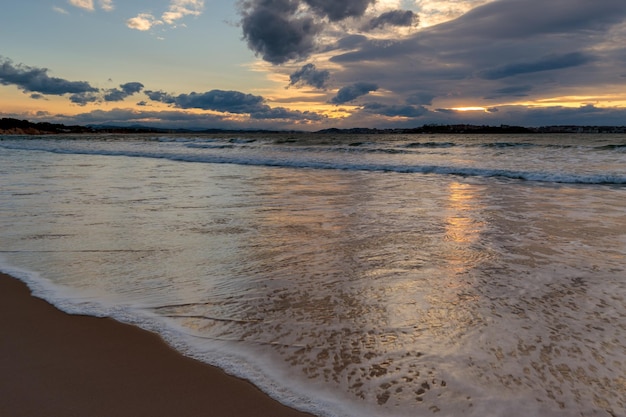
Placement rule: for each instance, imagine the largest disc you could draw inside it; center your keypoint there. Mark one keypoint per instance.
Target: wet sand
(59, 365)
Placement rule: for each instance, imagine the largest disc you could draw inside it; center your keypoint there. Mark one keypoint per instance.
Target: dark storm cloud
(310, 75)
(352, 92)
(37, 80)
(336, 10)
(401, 18)
(284, 30)
(274, 30)
(546, 63)
(125, 90)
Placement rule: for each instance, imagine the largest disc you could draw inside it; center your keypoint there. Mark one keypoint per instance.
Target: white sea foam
(528, 161)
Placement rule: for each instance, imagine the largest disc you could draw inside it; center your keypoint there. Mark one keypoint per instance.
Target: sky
(313, 64)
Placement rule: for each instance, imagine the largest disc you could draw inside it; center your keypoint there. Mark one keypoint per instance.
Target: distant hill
(24, 127)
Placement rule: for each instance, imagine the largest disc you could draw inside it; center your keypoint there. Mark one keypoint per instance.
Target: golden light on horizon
(470, 108)
(571, 101)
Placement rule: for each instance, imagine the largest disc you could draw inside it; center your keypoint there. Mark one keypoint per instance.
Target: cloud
(182, 119)
(525, 19)
(393, 18)
(420, 98)
(127, 117)
(222, 101)
(60, 10)
(226, 103)
(181, 8)
(284, 30)
(274, 31)
(588, 115)
(106, 5)
(123, 92)
(160, 96)
(37, 80)
(232, 102)
(281, 113)
(132, 88)
(82, 99)
(546, 63)
(83, 4)
(143, 22)
(216, 100)
(338, 10)
(177, 10)
(407, 110)
(511, 115)
(309, 75)
(352, 92)
(492, 51)
(512, 91)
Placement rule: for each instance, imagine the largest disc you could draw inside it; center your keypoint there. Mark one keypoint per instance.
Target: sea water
(345, 275)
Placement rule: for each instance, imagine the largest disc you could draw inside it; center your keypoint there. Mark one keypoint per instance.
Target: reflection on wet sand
(359, 291)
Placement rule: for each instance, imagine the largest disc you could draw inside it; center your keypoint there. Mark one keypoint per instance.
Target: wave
(209, 146)
(431, 145)
(295, 160)
(509, 145)
(612, 147)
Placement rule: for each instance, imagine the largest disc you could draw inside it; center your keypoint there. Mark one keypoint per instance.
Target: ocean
(344, 275)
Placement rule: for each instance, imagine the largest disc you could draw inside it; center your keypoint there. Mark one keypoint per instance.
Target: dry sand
(54, 364)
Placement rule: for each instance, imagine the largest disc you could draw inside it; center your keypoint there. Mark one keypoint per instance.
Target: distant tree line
(480, 129)
(24, 127)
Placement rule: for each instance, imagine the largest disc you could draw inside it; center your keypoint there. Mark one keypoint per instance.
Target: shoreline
(60, 365)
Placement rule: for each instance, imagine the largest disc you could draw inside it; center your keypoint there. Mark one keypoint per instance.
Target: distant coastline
(9, 126)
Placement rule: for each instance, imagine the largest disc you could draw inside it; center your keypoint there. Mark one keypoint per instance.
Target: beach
(56, 364)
